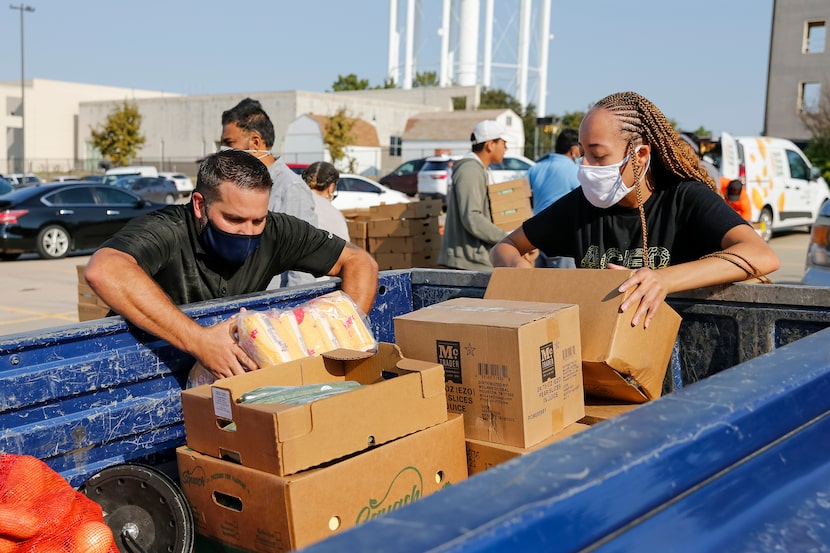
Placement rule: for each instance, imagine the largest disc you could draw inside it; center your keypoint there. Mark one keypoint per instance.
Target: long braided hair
(671, 162)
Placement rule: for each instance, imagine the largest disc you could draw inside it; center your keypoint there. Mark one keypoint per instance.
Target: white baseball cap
(488, 130)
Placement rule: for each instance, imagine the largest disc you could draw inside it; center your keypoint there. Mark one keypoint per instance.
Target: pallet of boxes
(544, 355)
(283, 457)
(399, 236)
(90, 306)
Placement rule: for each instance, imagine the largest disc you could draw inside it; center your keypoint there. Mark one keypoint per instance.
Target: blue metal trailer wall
(88, 396)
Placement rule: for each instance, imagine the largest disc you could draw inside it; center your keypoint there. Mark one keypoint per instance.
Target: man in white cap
(469, 232)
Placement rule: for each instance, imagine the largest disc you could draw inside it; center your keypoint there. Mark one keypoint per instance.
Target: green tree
(349, 82)
(571, 120)
(120, 136)
(495, 98)
(337, 134)
(425, 79)
(388, 82)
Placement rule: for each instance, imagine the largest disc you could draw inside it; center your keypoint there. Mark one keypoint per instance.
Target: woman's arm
(652, 287)
(510, 251)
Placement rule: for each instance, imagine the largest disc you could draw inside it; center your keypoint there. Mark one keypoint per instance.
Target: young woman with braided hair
(644, 203)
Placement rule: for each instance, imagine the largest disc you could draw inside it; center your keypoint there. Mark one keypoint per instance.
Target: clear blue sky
(703, 62)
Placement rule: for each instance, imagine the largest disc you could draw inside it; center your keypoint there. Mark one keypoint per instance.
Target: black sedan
(54, 219)
(155, 189)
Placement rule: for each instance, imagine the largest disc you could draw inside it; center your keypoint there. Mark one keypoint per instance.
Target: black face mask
(231, 248)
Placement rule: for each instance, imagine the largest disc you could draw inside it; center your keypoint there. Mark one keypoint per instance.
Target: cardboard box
(513, 188)
(512, 368)
(403, 227)
(251, 510)
(284, 439)
(387, 261)
(405, 244)
(599, 412)
(618, 361)
(483, 455)
(413, 210)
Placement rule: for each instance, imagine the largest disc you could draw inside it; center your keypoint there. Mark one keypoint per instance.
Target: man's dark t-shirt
(166, 245)
(684, 222)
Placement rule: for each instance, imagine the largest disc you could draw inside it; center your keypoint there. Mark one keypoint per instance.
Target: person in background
(224, 243)
(247, 127)
(734, 192)
(644, 203)
(555, 176)
(322, 178)
(469, 231)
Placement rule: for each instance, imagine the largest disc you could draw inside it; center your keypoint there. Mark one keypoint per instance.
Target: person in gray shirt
(247, 127)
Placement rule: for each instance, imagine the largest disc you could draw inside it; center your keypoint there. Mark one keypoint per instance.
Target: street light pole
(22, 8)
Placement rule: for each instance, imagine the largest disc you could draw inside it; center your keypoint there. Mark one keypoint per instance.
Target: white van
(784, 190)
(139, 170)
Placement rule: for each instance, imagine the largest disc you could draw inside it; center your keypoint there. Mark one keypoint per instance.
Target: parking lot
(42, 294)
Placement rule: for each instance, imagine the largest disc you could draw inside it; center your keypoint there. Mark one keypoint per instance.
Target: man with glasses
(469, 231)
(247, 127)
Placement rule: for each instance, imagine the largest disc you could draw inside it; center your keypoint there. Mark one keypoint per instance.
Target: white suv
(435, 175)
(183, 182)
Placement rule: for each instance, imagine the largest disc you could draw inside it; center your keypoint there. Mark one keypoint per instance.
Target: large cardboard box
(405, 244)
(510, 203)
(483, 455)
(388, 261)
(512, 368)
(618, 361)
(414, 210)
(402, 227)
(90, 306)
(251, 510)
(598, 411)
(400, 396)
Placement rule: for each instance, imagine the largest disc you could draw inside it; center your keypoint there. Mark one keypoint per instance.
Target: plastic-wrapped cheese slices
(323, 324)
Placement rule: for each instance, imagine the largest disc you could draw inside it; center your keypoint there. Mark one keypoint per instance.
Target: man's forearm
(118, 280)
(359, 272)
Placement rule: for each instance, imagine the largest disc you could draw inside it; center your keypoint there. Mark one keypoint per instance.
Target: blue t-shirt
(551, 179)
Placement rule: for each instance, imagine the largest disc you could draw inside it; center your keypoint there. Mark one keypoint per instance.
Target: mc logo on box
(449, 355)
(548, 362)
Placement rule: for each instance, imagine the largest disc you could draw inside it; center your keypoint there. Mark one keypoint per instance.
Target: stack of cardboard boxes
(276, 477)
(510, 203)
(521, 362)
(90, 306)
(399, 236)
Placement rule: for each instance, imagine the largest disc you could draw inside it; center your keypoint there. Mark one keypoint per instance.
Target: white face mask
(252, 152)
(603, 185)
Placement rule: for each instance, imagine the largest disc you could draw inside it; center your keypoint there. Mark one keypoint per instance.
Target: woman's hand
(648, 292)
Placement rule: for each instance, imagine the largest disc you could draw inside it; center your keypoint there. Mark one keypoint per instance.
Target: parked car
(5, 186)
(354, 191)
(155, 189)
(183, 183)
(405, 177)
(817, 266)
(19, 180)
(55, 219)
(435, 175)
(130, 170)
(93, 178)
(297, 167)
(65, 178)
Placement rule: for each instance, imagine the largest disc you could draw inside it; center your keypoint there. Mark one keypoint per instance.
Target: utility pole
(23, 8)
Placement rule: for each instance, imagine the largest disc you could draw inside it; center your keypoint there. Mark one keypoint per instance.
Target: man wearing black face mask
(224, 243)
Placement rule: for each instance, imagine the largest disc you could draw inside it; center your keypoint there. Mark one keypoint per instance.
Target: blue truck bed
(739, 454)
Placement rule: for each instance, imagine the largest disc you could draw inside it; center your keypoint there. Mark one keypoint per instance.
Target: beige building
(180, 130)
(52, 128)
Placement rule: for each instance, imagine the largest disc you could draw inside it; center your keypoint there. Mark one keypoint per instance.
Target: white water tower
(504, 46)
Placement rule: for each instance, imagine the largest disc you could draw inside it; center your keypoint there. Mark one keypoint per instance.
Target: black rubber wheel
(53, 242)
(169, 199)
(143, 507)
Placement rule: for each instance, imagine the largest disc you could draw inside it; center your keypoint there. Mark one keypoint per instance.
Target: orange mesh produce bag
(41, 513)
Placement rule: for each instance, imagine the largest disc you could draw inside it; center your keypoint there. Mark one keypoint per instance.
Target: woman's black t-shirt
(684, 222)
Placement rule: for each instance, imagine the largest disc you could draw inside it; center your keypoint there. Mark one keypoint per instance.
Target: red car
(405, 177)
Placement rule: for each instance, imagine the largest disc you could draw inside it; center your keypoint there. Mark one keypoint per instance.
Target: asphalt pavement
(40, 294)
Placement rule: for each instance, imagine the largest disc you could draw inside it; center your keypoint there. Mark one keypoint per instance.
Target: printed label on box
(449, 355)
(548, 361)
(222, 403)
